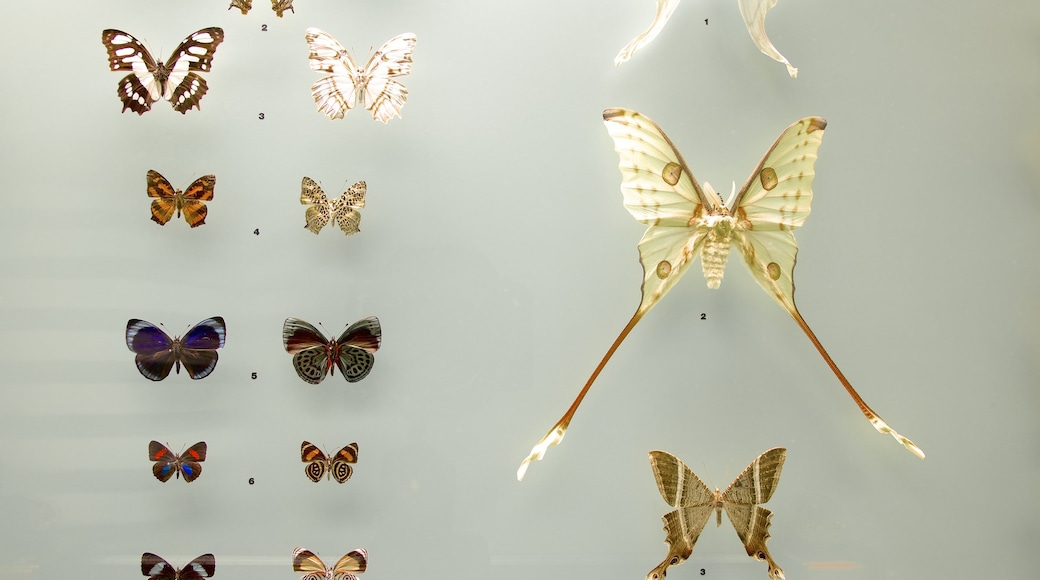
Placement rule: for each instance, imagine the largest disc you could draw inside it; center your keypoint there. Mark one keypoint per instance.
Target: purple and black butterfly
(157, 353)
(157, 568)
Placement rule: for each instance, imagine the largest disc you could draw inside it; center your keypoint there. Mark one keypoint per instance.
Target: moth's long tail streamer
(555, 435)
(873, 417)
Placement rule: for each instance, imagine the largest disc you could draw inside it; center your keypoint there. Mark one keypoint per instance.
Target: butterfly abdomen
(715, 251)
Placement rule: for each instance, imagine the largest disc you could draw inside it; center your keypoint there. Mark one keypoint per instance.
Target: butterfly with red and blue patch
(157, 353)
(157, 568)
(167, 463)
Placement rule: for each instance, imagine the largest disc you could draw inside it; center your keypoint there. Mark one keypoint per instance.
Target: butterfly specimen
(175, 80)
(687, 221)
(167, 199)
(693, 502)
(753, 12)
(319, 465)
(313, 354)
(167, 463)
(373, 85)
(321, 210)
(155, 567)
(310, 564)
(279, 6)
(157, 353)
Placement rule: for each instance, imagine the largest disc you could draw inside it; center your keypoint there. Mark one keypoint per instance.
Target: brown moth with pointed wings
(688, 221)
(175, 80)
(694, 502)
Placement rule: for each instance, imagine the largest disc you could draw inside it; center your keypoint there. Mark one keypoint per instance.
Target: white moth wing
(384, 97)
(777, 198)
(754, 13)
(660, 190)
(337, 93)
(665, 8)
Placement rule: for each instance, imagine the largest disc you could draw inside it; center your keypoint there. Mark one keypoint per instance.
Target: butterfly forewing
(353, 561)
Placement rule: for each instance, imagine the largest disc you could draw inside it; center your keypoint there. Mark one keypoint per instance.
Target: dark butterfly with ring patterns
(167, 463)
(157, 353)
(315, 356)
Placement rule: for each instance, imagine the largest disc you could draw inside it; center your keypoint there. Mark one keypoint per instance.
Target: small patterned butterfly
(308, 563)
(157, 353)
(175, 80)
(279, 6)
(319, 464)
(313, 354)
(167, 199)
(156, 568)
(167, 464)
(322, 210)
(374, 85)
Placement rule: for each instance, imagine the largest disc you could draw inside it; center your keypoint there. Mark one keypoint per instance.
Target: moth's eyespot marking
(773, 269)
(761, 555)
(671, 173)
(768, 178)
(674, 560)
(664, 268)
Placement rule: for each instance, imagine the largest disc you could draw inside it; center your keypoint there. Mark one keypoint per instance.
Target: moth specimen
(693, 502)
(315, 356)
(175, 80)
(321, 210)
(687, 221)
(279, 6)
(308, 563)
(158, 569)
(319, 464)
(157, 353)
(190, 201)
(167, 463)
(374, 85)
(753, 12)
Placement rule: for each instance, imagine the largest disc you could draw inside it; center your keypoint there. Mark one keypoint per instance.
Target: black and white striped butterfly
(279, 6)
(149, 80)
(157, 568)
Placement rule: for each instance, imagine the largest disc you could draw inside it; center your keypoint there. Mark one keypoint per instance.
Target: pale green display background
(498, 256)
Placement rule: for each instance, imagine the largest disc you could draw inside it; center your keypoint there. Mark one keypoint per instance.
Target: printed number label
(251, 482)
(263, 28)
(256, 232)
(254, 376)
(261, 116)
(702, 569)
(704, 316)
(705, 23)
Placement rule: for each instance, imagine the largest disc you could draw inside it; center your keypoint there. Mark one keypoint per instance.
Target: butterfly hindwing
(175, 80)
(374, 85)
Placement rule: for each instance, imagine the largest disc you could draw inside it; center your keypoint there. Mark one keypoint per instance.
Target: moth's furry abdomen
(715, 251)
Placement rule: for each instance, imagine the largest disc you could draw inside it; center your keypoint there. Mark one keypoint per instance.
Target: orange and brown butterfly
(320, 464)
(309, 564)
(167, 463)
(189, 202)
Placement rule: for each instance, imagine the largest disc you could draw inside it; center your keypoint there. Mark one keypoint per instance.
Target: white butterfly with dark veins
(175, 80)
(372, 85)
